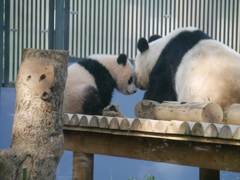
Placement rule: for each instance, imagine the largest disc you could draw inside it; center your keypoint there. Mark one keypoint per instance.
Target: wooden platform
(204, 145)
(178, 130)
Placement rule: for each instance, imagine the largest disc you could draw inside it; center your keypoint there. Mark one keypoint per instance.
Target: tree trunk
(37, 134)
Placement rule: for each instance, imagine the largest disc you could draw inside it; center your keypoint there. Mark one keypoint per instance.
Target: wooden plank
(203, 155)
(104, 122)
(114, 124)
(236, 134)
(197, 129)
(74, 121)
(141, 125)
(225, 132)
(160, 126)
(178, 127)
(84, 120)
(210, 130)
(67, 118)
(126, 123)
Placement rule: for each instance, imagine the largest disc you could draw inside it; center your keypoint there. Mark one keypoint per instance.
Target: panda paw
(112, 110)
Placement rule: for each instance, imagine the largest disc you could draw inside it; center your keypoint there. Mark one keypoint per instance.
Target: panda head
(126, 76)
(147, 55)
(121, 70)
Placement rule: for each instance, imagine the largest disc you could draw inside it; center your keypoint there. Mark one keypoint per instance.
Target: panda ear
(154, 37)
(122, 59)
(142, 45)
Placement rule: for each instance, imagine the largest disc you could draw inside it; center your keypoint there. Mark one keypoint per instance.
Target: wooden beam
(180, 137)
(184, 111)
(203, 155)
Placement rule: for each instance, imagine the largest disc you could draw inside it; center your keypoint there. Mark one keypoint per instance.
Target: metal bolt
(14, 30)
(74, 12)
(167, 15)
(44, 31)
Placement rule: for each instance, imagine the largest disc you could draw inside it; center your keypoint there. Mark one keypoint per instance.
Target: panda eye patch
(130, 80)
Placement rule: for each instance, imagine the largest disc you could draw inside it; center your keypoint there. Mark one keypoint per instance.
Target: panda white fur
(91, 82)
(187, 65)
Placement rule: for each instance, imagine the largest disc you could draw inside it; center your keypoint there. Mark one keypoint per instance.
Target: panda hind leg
(92, 104)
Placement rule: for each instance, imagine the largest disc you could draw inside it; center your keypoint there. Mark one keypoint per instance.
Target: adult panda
(91, 82)
(187, 65)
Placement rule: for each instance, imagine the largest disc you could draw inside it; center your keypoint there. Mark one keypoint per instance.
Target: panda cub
(187, 65)
(91, 82)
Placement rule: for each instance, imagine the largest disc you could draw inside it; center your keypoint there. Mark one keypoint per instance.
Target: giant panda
(187, 65)
(91, 82)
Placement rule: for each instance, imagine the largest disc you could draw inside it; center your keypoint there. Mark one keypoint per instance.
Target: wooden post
(37, 134)
(83, 163)
(171, 110)
(209, 174)
(82, 166)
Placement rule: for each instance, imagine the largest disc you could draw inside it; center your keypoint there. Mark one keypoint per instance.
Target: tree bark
(37, 134)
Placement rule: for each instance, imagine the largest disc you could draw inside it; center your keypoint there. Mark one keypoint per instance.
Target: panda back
(162, 76)
(210, 72)
(177, 47)
(103, 79)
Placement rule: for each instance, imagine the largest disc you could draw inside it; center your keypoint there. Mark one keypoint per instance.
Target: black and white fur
(91, 82)
(187, 65)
